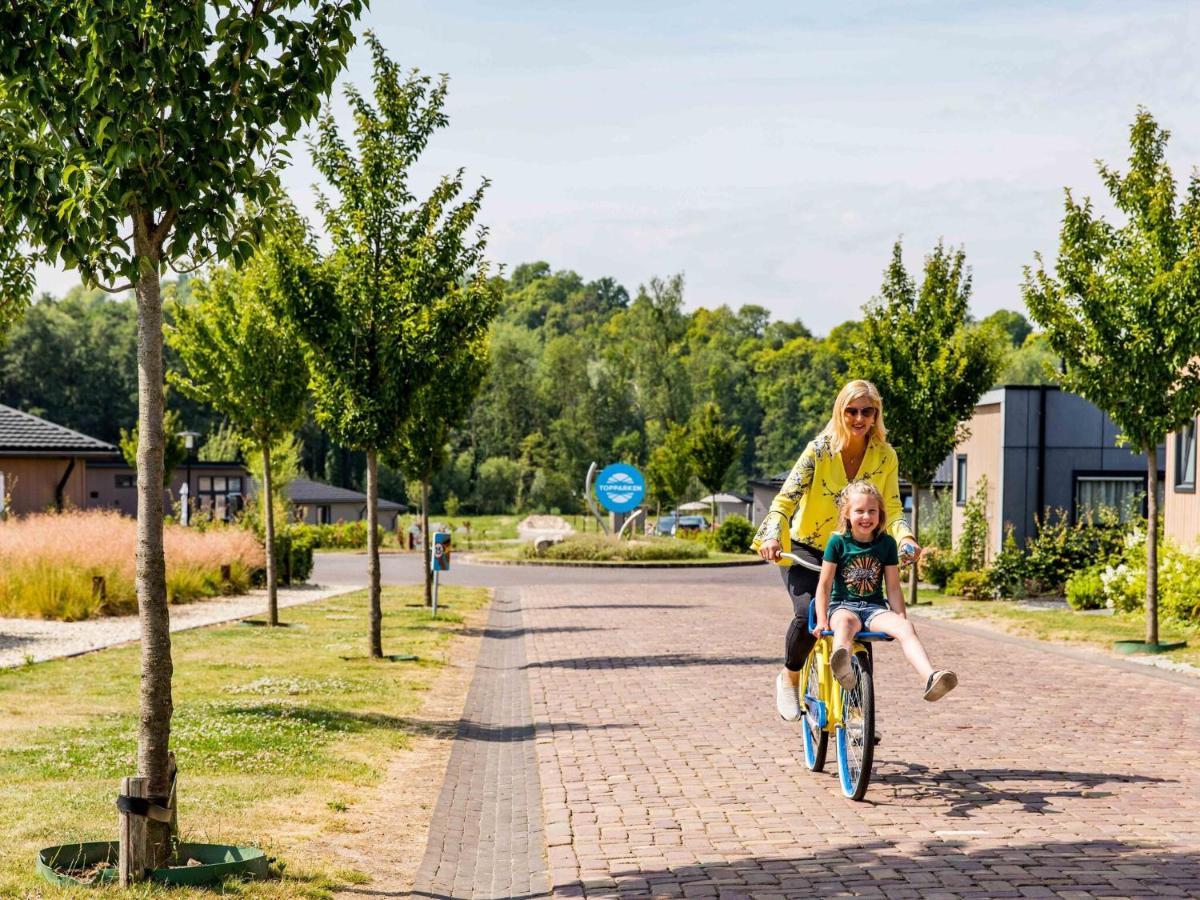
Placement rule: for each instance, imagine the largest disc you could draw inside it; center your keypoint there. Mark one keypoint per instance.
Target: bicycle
(830, 709)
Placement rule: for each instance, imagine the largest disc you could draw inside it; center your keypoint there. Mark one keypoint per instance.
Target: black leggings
(801, 587)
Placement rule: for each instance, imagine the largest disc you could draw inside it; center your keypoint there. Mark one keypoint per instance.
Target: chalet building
(322, 504)
(44, 466)
(1181, 503)
(1041, 447)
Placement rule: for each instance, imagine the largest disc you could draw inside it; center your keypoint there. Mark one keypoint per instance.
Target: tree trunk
(376, 636)
(269, 503)
(426, 550)
(1152, 546)
(916, 521)
(155, 706)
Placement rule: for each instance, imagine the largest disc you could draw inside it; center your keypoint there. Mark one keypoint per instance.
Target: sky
(773, 152)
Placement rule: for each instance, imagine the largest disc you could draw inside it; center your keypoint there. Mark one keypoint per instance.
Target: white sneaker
(787, 698)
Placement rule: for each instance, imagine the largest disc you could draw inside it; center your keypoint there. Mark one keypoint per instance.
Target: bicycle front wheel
(816, 738)
(855, 736)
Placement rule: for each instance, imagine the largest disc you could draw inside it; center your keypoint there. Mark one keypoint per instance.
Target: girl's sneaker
(839, 662)
(787, 698)
(940, 683)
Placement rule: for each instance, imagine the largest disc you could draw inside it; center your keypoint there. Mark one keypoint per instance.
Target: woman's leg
(901, 629)
(801, 587)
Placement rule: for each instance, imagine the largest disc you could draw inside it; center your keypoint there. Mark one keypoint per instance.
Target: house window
(324, 515)
(219, 496)
(1185, 458)
(1118, 492)
(960, 480)
(125, 481)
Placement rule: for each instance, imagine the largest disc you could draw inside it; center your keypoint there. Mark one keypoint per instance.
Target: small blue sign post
(620, 488)
(439, 561)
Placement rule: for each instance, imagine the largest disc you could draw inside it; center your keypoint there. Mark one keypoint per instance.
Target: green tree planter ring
(217, 861)
(1127, 647)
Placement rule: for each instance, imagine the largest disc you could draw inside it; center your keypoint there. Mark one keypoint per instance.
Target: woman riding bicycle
(852, 447)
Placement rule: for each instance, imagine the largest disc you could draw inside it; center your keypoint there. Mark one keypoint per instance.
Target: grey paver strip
(663, 764)
(486, 838)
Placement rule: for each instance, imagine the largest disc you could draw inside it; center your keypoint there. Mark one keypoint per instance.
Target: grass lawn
(275, 730)
(1065, 626)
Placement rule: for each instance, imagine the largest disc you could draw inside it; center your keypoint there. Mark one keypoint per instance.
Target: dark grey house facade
(1041, 448)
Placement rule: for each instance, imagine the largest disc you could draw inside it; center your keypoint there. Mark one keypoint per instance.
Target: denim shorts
(865, 611)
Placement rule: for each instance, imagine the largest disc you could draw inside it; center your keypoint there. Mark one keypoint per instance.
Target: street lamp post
(189, 443)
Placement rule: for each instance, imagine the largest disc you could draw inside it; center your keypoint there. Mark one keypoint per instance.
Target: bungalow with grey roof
(44, 466)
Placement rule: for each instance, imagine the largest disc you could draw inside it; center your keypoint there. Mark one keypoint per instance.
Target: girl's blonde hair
(836, 430)
(854, 489)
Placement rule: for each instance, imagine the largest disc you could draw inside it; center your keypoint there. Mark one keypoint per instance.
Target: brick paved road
(664, 770)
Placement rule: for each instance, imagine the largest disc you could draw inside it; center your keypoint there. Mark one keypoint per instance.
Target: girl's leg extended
(902, 630)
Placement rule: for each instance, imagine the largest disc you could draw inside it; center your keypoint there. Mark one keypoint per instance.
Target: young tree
(438, 408)
(1121, 310)
(714, 446)
(670, 468)
(405, 284)
(930, 365)
(129, 134)
(241, 356)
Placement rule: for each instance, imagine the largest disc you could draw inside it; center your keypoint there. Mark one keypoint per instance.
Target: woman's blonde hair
(836, 430)
(854, 489)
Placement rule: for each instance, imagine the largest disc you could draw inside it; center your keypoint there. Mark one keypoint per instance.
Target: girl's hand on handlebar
(770, 550)
(822, 625)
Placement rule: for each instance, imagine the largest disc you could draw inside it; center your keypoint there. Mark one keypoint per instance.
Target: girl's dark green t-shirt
(860, 567)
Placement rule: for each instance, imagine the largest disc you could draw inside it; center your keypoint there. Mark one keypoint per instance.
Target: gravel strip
(36, 640)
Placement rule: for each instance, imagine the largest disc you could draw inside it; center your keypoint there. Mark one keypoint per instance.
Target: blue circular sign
(620, 488)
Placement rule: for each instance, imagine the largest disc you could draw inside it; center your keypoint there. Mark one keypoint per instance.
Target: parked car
(667, 526)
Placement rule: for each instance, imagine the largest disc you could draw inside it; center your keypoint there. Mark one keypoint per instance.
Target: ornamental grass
(48, 564)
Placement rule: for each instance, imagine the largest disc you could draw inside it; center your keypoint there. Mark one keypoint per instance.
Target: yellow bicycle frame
(829, 692)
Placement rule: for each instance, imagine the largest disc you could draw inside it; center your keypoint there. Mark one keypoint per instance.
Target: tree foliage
(930, 365)
(713, 447)
(405, 284)
(239, 353)
(130, 134)
(1121, 308)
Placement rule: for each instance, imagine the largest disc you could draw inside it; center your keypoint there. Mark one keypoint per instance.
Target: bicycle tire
(855, 736)
(816, 738)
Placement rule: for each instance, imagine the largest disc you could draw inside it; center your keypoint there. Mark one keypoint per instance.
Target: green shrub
(735, 535)
(1059, 548)
(936, 566)
(1085, 589)
(970, 584)
(1178, 576)
(973, 539)
(602, 548)
(1008, 573)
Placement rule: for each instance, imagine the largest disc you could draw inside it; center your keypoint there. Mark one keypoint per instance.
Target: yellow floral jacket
(807, 502)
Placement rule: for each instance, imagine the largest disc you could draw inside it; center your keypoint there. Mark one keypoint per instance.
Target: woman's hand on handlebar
(770, 550)
(910, 551)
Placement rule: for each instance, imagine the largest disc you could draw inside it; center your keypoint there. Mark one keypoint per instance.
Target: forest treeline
(580, 371)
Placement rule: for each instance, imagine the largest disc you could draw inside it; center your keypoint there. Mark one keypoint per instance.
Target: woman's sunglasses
(867, 412)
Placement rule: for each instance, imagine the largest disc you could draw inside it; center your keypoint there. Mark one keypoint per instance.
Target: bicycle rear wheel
(855, 736)
(816, 738)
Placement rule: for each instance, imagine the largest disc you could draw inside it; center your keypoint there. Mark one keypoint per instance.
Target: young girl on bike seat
(860, 558)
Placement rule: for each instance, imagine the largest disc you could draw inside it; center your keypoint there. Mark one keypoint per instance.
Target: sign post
(439, 561)
(620, 488)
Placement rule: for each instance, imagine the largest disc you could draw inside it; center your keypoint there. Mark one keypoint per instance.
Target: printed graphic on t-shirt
(862, 575)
